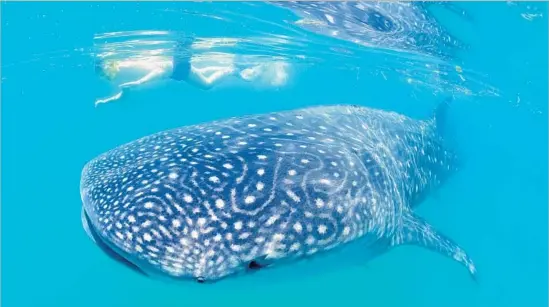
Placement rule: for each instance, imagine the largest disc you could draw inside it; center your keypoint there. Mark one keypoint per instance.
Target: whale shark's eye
(378, 21)
(200, 279)
(258, 263)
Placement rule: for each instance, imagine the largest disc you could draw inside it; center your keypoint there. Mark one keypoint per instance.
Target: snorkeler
(157, 68)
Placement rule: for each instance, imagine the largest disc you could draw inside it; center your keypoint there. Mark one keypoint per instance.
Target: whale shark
(232, 196)
(408, 26)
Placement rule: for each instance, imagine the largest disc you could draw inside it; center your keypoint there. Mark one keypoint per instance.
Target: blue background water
(496, 208)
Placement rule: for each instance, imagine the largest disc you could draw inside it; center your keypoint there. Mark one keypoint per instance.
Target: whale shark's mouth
(113, 253)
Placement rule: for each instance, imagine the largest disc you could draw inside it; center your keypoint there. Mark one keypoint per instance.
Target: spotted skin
(216, 199)
(395, 25)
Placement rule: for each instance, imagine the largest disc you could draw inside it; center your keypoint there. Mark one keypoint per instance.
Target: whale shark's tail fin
(440, 113)
(414, 230)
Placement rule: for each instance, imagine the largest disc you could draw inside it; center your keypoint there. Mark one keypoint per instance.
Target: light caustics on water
(393, 41)
(398, 26)
(527, 10)
(415, 47)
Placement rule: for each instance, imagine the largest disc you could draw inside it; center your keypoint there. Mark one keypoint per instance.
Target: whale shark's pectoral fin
(417, 231)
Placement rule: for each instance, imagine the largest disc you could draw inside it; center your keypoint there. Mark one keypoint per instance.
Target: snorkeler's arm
(150, 76)
(109, 99)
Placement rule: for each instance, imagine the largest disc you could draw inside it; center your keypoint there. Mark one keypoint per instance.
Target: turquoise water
(496, 207)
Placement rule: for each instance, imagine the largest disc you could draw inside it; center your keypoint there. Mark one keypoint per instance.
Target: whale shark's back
(415, 144)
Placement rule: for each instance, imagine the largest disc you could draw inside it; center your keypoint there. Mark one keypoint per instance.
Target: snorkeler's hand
(109, 99)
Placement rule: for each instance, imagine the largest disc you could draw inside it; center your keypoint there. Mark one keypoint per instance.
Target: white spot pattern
(203, 200)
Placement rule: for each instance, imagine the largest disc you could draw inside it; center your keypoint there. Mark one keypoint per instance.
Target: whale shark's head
(207, 201)
(167, 205)
(140, 216)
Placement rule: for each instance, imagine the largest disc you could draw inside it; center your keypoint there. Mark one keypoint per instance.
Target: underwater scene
(284, 153)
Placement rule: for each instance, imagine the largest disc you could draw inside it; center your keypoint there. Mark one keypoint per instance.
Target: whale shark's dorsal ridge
(216, 199)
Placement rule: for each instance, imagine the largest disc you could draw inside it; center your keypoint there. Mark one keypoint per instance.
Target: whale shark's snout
(192, 260)
(139, 223)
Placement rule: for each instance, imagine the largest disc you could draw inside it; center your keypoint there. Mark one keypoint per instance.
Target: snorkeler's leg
(225, 63)
(199, 78)
(212, 69)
